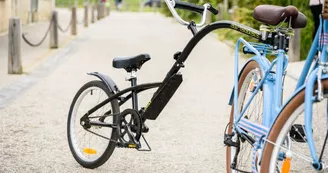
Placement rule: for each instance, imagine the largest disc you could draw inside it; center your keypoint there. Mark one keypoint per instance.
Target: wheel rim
(86, 145)
(302, 160)
(255, 107)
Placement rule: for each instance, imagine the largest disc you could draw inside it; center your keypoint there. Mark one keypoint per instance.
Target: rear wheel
(92, 146)
(248, 81)
(290, 125)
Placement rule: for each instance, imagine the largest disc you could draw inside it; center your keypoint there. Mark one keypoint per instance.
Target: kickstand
(140, 149)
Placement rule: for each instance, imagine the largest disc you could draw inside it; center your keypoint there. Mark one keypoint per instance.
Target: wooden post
(86, 16)
(102, 6)
(14, 46)
(294, 47)
(141, 6)
(107, 8)
(101, 10)
(35, 16)
(220, 15)
(93, 13)
(98, 11)
(154, 6)
(225, 7)
(107, 11)
(233, 14)
(54, 31)
(208, 17)
(74, 21)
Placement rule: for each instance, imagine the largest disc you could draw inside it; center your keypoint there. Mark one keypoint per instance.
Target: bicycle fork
(316, 76)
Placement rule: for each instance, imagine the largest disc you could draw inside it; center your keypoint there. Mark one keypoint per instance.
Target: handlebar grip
(213, 10)
(189, 6)
(194, 7)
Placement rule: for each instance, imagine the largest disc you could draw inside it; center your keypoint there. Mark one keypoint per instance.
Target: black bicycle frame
(181, 59)
(136, 89)
(202, 33)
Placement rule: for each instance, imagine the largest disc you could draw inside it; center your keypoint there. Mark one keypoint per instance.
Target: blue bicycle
(265, 135)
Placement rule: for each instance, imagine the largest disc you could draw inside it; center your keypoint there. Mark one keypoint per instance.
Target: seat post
(133, 80)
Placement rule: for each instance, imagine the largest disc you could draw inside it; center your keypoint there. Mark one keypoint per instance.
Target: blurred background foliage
(242, 13)
(243, 10)
(128, 5)
(69, 3)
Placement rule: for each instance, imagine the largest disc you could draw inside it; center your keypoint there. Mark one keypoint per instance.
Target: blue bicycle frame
(309, 98)
(272, 83)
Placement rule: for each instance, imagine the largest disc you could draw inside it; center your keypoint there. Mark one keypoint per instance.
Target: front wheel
(287, 137)
(91, 145)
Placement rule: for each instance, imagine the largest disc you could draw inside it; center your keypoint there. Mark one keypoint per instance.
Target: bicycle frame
(180, 60)
(315, 75)
(272, 84)
(272, 100)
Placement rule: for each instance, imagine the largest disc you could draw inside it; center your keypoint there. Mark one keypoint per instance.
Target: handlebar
(171, 4)
(213, 10)
(194, 7)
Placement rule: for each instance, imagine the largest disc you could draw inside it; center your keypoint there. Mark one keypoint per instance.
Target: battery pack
(162, 97)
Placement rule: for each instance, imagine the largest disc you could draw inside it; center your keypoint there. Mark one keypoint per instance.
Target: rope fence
(63, 30)
(44, 37)
(15, 34)
(67, 28)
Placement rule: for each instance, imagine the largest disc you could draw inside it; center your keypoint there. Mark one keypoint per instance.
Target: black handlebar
(189, 6)
(194, 7)
(213, 10)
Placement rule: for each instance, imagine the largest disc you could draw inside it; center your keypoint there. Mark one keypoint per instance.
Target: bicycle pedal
(132, 146)
(297, 133)
(127, 145)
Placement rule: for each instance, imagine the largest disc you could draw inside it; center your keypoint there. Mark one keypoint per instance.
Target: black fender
(111, 85)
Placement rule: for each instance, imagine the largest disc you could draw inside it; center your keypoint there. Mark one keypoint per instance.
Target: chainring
(130, 126)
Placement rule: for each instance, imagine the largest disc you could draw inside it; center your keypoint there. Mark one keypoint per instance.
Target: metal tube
(134, 94)
(202, 33)
(137, 89)
(171, 3)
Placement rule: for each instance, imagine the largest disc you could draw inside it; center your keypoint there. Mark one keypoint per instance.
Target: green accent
(148, 104)
(283, 29)
(245, 31)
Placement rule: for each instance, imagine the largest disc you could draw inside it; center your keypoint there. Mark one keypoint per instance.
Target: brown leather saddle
(273, 15)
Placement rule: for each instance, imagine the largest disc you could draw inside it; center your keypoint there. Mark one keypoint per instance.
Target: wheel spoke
(299, 155)
(94, 138)
(253, 113)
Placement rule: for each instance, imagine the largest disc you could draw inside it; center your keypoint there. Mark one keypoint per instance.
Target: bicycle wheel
(287, 134)
(88, 148)
(248, 81)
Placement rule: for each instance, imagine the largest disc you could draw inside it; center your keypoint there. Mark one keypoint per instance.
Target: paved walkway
(188, 135)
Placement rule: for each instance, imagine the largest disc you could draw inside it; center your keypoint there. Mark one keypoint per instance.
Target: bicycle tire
(249, 68)
(281, 127)
(78, 155)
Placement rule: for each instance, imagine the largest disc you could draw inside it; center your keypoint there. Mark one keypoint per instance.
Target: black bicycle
(96, 125)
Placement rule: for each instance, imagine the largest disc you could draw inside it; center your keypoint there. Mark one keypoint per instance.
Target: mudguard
(264, 65)
(111, 85)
